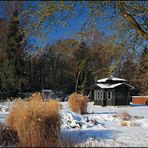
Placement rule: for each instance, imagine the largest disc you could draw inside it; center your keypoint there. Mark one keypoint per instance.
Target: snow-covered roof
(112, 85)
(111, 78)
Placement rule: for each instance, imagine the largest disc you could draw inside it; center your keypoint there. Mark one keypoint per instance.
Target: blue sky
(61, 33)
(1, 12)
(75, 26)
(64, 33)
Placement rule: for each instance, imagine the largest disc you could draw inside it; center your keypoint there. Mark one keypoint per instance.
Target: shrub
(132, 123)
(37, 123)
(127, 123)
(7, 136)
(78, 103)
(124, 116)
(126, 119)
(123, 123)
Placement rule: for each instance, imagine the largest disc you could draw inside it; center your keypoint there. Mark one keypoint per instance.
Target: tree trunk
(77, 81)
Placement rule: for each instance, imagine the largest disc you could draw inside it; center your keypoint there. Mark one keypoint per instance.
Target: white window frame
(104, 94)
(101, 94)
(94, 94)
(98, 93)
(109, 98)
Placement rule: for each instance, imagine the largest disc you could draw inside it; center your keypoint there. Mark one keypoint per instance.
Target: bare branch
(132, 21)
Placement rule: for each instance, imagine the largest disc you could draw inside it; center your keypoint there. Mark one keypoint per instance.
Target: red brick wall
(139, 99)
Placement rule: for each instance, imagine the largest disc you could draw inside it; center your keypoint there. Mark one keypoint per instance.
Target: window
(101, 95)
(109, 95)
(104, 95)
(98, 95)
(95, 94)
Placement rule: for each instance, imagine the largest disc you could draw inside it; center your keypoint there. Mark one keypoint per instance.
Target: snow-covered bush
(78, 103)
(124, 116)
(37, 123)
(126, 119)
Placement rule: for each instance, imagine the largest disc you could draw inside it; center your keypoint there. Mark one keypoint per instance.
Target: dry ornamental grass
(78, 103)
(123, 123)
(37, 123)
(124, 116)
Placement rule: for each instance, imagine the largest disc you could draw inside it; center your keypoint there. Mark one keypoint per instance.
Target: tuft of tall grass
(37, 123)
(78, 103)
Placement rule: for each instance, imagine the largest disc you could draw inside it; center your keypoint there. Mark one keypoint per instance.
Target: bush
(37, 123)
(78, 103)
(124, 116)
(7, 136)
(123, 123)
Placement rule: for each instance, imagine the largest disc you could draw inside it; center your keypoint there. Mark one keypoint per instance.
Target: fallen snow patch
(101, 125)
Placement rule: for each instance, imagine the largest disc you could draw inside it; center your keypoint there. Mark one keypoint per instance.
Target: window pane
(109, 95)
(101, 95)
(94, 94)
(104, 97)
(98, 95)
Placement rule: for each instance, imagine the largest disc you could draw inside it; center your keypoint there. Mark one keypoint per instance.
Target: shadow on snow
(84, 135)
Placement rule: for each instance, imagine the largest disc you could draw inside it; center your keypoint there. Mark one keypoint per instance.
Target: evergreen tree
(13, 63)
(9, 82)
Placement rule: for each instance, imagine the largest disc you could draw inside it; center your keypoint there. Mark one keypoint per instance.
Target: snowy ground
(101, 126)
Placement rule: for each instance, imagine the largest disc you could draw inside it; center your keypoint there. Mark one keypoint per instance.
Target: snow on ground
(4, 110)
(101, 125)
